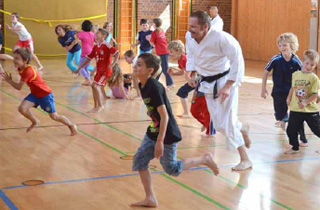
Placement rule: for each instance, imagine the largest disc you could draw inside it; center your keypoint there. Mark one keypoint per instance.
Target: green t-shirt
(304, 85)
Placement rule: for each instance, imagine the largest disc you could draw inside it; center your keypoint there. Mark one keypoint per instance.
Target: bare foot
(304, 145)
(33, 125)
(211, 164)
(147, 202)
(245, 135)
(243, 165)
(96, 109)
(291, 151)
(74, 130)
(183, 115)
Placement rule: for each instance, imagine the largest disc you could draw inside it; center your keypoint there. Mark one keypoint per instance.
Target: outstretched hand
(6, 76)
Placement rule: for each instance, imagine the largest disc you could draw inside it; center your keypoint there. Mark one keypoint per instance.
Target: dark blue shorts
(184, 91)
(46, 103)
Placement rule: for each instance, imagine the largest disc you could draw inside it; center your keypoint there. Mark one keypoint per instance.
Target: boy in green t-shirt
(302, 100)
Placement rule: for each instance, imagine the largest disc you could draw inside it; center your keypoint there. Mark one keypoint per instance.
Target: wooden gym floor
(86, 172)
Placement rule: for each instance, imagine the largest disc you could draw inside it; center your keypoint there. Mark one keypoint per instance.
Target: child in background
(127, 81)
(103, 54)
(66, 37)
(3, 56)
(86, 37)
(131, 58)
(177, 52)
(108, 26)
(302, 100)
(95, 28)
(116, 84)
(163, 134)
(158, 39)
(25, 38)
(41, 94)
(143, 37)
(283, 65)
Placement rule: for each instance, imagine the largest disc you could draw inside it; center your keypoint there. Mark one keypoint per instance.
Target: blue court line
(162, 172)
(7, 201)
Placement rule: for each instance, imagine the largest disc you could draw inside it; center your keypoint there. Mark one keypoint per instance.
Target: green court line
(123, 153)
(164, 175)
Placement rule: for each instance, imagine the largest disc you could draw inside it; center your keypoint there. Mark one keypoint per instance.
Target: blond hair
(116, 77)
(176, 45)
(312, 55)
(290, 38)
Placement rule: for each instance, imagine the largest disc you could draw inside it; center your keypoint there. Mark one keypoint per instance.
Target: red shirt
(159, 39)
(182, 62)
(102, 53)
(37, 85)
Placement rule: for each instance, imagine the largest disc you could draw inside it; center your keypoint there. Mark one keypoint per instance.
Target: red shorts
(27, 44)
(101, 78)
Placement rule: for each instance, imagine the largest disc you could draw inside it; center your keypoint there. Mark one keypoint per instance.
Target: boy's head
(157, 22)
(147, 65)
(129, 55)
(288, 43)
(176, 49)
(310, 60)
(86, 25)
(101, 35)
(144, 24)
(22, 57)
(15, 17)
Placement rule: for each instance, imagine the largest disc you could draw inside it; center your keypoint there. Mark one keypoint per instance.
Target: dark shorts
(46, 103)
(184, 91)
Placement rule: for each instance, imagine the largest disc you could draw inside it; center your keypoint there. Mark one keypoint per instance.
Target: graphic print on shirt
(301, 89)
(154, 126)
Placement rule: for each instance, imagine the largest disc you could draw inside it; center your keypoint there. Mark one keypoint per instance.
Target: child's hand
(170, 72)
(148, 37)
(264, 93)
(158, 150)
(7, 26)
(76, 72)
(133, 45)
(302, 104)
(7, 77)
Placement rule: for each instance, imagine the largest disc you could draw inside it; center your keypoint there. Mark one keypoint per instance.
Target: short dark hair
(203, 18)
(86, 25)
(24, 53)
(157, 22)
(129, 53)
(144, 21)
(151, 61)
(16, 14)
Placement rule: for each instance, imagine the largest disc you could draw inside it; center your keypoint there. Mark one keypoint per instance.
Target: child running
(86, 37)
(158, 39)
(163, 134)
(143, 37)
(66, 37)
(131, 58)
(25, 38)
(177, 52)
(116, 84)
(103, 54)
(302, 100)
(41, 94)
(283, 65)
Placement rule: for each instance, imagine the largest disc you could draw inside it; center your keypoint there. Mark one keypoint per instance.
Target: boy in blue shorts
(41, 94)
(163, 134)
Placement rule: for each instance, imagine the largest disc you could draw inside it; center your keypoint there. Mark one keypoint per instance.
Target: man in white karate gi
(216, 20)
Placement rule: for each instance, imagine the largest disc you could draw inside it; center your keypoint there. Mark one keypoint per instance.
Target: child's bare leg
(62, 119)
(150, 199)
(97, 99)
(35, 58)
(24, 109)
(184, 103)
(206, 159)
(103, 93)
(245, 162)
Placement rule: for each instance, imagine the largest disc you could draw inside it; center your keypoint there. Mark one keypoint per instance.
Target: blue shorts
(46, 103)
(141, 51)
(184, 91)
(168, 161)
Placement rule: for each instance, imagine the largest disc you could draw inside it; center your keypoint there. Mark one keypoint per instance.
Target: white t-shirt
(217, 23)
(134, 61)
(23, 34)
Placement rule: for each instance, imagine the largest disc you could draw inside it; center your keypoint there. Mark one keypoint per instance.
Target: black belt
(211, 79)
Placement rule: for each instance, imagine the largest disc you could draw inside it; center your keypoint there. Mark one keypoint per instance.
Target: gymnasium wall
(258, 23)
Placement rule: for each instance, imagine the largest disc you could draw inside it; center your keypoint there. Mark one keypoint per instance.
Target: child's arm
(179, 73)
(264, 91)
(158, 150)
(86, 62)
(123, 91)
(313, 97)
(71, 45)
(116, 58)
(289, 98)
(13, 29)
(8, 78)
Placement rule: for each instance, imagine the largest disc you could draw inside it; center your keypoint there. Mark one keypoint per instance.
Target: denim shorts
(168, 161)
